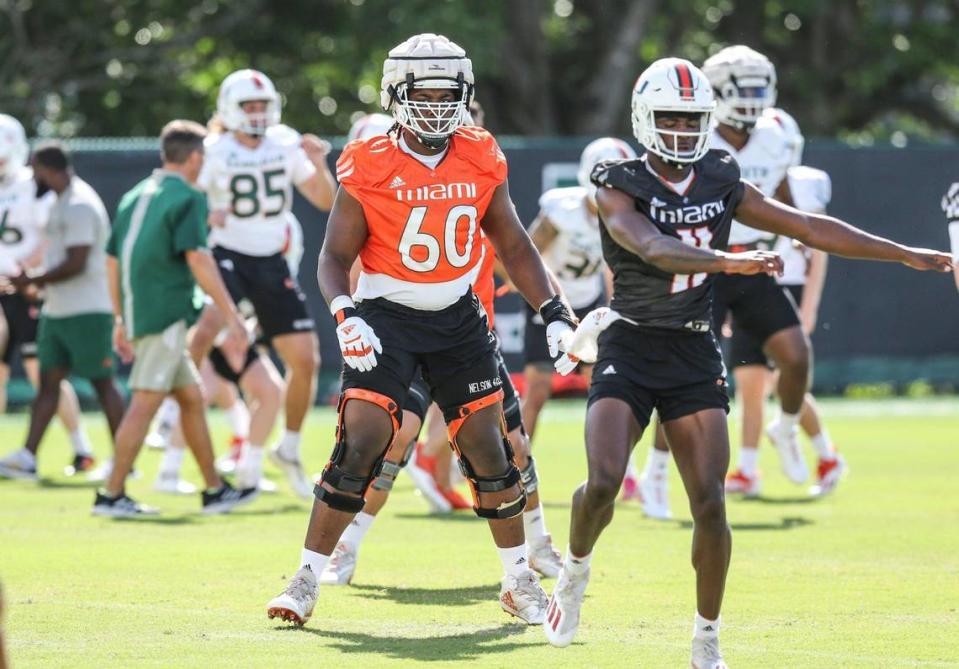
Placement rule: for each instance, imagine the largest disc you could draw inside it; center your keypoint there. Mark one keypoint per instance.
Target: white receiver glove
(358, 343)
(583, 343)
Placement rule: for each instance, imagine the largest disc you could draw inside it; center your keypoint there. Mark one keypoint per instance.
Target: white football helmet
(370, 125)
(672, 85)
(246, 86)
(604, 148)
(13, 146)
(427, 61)
(745, 84)
(793, 134)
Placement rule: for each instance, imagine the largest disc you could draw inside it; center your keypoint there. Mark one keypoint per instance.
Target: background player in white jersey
(249, 174)
(950, 207)
(23, 216)
(566, 233)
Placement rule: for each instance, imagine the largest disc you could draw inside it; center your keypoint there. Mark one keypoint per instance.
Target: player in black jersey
(666, 220)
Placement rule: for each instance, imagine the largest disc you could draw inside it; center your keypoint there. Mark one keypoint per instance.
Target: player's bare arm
(515, 249)
(345, 234)
(542, 232)
(634, 232)
(319, 189)
(73, 264)
(831, 234)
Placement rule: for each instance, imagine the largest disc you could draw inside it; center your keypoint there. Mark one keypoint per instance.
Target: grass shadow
(785, 523)
(270, 511)
(55, 484)
(762, 499)
(465, 596)
(441, 648)
(454, 517)
(158, 520)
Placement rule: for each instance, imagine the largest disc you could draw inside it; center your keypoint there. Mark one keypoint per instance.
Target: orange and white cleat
(523, 597)
(295, 604)
(743, 484)
(830, 472)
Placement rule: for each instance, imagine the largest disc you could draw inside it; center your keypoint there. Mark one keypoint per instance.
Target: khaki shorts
(161, 361)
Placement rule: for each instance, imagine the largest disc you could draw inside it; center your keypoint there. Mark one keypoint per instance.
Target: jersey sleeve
(480, 148)
(811, 189)
(349, 166)
(82, 224)
(213, 178)
(302, 167)
(190, 231)
(551, 203)
(618, 174)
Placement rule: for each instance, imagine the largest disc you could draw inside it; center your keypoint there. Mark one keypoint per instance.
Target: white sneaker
(829, 473)
(544, 558)
(102, 473)
(654, 495)
(522, 596)
(790, 457)
(21, 464)
(341, 565)
(158, 440)
(265, 485)
(295, 604)
(172, 484)
(562, 612)
(293, 470)
(706, 654)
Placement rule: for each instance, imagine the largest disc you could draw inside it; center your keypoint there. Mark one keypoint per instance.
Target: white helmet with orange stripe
(672, 86)
(744, 81)
(248, 86)
(427, 61)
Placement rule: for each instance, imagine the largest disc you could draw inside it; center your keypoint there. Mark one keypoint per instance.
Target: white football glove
(583, 344)
(358, 343)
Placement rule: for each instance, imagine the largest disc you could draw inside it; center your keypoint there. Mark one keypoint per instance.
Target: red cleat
(456, 500)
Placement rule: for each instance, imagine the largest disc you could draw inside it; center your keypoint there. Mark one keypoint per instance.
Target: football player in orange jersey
(413, 207)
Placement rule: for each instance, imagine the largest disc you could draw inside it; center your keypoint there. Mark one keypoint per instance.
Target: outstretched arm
(635, 233)
(320, 188)
(831, 234)
(346, 232)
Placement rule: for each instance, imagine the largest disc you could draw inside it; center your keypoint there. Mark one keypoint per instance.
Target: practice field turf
(866, 578)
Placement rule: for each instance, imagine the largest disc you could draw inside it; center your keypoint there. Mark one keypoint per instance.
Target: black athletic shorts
(223, 369)
(535, 350)
(279, 303)
(676, 373)
(418, 400)
(453, 348)
(760, 308)
(744, 349)
(22, 317)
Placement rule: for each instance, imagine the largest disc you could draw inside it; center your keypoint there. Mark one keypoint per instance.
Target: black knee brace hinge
(528, 475)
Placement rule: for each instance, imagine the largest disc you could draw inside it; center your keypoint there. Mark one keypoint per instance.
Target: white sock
(787, 422)
(168, 416)
(534, 522)
(631, 471)
(576, 565)
(289, 446)
(315, 561)
(515, 560)
(172, 459)
(656, 462)
(239, 418)
(357, 529)
(823, 445)
(748, 460)
(81, 445)
(705, 629)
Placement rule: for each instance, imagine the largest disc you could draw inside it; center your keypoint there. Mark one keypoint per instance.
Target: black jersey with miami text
(701, 217)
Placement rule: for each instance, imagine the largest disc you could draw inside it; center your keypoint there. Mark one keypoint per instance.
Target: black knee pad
(480, 484)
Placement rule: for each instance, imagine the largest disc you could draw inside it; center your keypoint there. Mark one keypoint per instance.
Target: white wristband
(341, 302)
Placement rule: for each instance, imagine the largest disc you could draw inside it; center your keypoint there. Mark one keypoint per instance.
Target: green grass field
(866, 578)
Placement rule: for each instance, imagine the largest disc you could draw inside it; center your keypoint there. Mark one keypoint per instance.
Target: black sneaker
(121, 506)
(81, 463)
(226, 498)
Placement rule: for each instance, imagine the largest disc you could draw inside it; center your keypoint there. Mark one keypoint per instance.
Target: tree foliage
(856, 69)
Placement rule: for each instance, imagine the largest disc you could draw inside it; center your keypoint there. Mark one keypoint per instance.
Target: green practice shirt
(157, 222)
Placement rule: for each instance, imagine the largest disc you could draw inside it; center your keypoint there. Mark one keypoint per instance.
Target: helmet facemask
(669, 144)
(741, 102)
(433, 123)
(256, 123)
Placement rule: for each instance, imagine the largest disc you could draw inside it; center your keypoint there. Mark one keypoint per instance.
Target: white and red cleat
(631, 488)
(420, 470)
(786, 441)
(743, 484)
(829, 474)
(226, 463)
(295, 604)
(522, 596)
(654, 495)
(562, 612)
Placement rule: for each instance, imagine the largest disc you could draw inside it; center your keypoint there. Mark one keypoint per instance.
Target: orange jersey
(424, 248)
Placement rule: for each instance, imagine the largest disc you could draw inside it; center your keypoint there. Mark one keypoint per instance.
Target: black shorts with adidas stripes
(676, 373)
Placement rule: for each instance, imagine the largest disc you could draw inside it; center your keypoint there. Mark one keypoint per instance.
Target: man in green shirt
(156, 255)
(75, 323)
